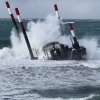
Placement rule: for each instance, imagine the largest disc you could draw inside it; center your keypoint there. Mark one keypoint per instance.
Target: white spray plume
(40, 33)
(91, 47)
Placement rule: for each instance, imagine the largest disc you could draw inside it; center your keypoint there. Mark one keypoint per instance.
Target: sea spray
(41, 33)
(91, 48)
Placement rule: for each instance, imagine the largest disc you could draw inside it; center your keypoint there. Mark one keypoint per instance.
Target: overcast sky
(68, 9)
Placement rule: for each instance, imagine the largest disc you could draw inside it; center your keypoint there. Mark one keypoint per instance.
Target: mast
(24, 33)
(57, 14)
(75, 44)
(13, 19)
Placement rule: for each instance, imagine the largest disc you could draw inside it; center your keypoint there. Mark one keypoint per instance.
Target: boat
(58, 51)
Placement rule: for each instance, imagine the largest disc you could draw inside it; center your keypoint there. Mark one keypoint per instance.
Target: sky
(68, 9)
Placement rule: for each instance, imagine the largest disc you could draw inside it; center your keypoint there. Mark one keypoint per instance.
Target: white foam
(93, 52)
(84, 98)
(41, 33)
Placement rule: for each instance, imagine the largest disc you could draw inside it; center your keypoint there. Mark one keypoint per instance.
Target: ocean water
(25, 79)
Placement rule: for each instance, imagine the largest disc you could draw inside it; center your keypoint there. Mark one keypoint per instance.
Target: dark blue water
(83, 28)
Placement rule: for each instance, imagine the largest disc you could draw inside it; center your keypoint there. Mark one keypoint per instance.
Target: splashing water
(41, 33)
(93, 52)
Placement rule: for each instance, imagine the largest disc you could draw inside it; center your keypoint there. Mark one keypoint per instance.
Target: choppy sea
(24, 79)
